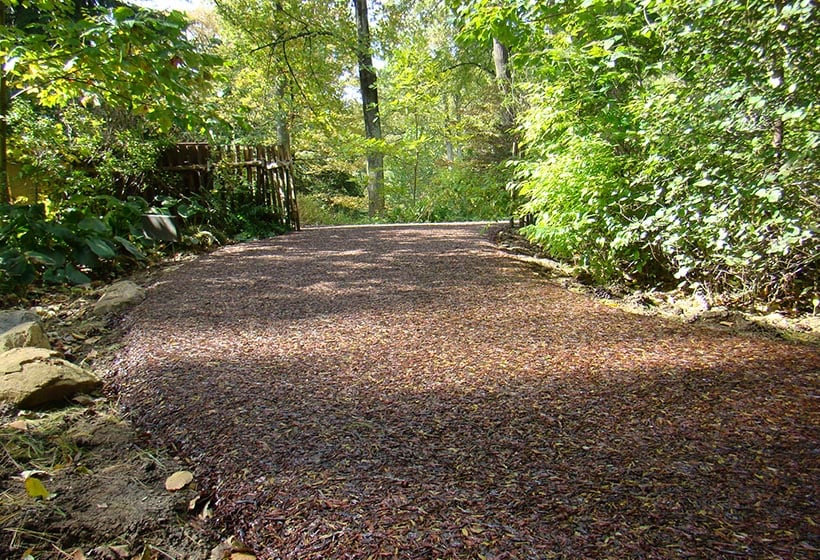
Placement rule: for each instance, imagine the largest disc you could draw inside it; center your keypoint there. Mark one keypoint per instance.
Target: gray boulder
(32, 377)
(118, 296)
(21, 328)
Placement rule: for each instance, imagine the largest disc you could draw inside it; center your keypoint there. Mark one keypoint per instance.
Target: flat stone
(32, 377)
(20, 328)
(119, 296)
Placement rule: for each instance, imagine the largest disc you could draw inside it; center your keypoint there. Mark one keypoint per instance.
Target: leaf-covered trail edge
(411, 392)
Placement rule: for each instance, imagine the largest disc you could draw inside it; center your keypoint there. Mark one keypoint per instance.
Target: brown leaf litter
(410, 392)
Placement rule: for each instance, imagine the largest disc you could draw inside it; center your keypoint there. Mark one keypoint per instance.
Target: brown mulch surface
(411, 392)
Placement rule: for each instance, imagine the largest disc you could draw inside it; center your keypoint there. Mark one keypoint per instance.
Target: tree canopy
(648, 142)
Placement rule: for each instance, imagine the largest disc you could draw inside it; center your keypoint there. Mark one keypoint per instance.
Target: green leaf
(54, 276)
(93, 224)
(75, 276)
(130, 247)
(122, 13)
(101, 248)
(40, 258)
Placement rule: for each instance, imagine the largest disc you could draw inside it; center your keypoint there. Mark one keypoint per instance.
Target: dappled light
(366, 391)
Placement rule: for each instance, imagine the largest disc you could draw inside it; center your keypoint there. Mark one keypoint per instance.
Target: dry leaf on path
(178, 480)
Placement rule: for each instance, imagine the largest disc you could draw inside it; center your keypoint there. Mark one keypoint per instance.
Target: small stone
(118, 296)
(32, 377)
(21, 328)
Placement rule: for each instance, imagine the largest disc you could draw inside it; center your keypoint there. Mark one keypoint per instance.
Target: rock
(21, 328)
(32, 377)
(118, 296)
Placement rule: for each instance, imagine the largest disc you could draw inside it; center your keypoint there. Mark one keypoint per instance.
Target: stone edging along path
(410, 391)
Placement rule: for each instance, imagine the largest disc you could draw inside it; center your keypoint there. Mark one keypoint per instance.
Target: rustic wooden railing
(262, 175)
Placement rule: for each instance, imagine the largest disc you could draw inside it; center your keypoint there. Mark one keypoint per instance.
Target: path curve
(411, 392)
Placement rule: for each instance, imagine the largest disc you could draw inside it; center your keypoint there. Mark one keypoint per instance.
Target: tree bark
(282, 124)
(778, 74)
(5, 193)
(503, 77)
(370, 106)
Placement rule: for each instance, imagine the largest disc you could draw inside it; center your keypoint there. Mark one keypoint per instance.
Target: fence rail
(266, 174)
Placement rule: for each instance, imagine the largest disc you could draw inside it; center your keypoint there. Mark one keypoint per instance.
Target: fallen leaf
(36, 489)
(148, 554)
(20, 425)
(178, 480)
(242, 556)
(206, 512)
(121, 550)
(78, 555)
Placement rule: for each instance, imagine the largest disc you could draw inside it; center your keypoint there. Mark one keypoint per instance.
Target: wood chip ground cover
(410, 392)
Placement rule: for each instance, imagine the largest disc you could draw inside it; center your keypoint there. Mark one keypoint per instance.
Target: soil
(410, 392)
(108, 496)
(104, 476)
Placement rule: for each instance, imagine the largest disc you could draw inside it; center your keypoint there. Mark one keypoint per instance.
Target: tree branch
(460, 64)
(284, 40)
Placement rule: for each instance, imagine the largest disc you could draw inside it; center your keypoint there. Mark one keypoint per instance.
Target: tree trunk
(503, 77)
(282, 125)
(778, 75)
(5, 193)
(370, 105)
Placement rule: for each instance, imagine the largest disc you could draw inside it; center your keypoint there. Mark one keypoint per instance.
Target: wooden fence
(258, 175)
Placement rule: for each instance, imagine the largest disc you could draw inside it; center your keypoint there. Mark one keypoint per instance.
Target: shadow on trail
(436, 401)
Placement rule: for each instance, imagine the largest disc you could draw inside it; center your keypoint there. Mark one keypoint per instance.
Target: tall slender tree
(370, 106)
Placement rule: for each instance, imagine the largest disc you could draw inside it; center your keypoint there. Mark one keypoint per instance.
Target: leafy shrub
(328, 181)
(317, 209)
(92, 238)
(676, 142)
(457, 191)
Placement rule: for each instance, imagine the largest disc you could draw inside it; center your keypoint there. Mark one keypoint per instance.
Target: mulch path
(411, 392)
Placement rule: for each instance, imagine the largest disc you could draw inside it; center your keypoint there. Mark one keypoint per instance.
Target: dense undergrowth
(670, 142)
(101, 237)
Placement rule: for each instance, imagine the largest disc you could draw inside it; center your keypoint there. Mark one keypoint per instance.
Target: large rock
(32, 377)
(118, 296)
(21, 328)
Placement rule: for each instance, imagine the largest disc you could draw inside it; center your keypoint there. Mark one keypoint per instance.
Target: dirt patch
(108, 498)
(105, 477)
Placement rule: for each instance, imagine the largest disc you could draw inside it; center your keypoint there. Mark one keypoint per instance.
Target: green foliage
(78, 151)
(436, 95)
(671, 141)
(327, 181)
(580, 202)
(329, 209)
(123, 57)
(92, 238)
(460, 191)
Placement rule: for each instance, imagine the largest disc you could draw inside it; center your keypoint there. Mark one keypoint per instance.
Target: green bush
(676, 142)
(91, 239)
(319, 209)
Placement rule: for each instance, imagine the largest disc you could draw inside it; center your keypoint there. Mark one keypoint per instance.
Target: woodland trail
(411, 392)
